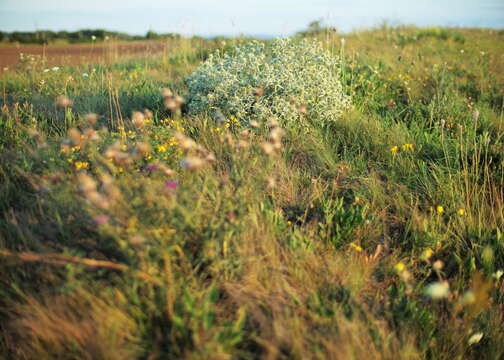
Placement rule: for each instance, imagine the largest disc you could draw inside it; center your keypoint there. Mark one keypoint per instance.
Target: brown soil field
(80, 53)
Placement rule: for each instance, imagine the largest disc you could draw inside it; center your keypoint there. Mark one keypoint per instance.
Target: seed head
(438, 265)
(192, 163)
(91, 134)
(276, 135)
(168, 172)
(185, 143)
(148, 114)
(242, 144)
(75, 135)
(475, 115)
(170, 104)
(268, 148)
(258, 92)
(270, 183)
(273, 122)
(91, 118)
(302, 109)
(166, 93)
(142, 149)
(63, 101)
(138, 119)
(86, 183)
(245, 133)
(179, 100)
(210, 157)
(254, 123)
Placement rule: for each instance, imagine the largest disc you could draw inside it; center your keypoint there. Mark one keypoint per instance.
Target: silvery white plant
(291, 74)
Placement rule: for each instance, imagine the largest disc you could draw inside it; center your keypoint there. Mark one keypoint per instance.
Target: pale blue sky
(226, 17)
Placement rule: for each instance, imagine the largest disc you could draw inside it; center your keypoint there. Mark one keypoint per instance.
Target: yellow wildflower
(399, 267)
(356, 247)
(394, 149)
(439, 209)
(461, 212)
(427, 254)
(124, 147)
(407, 147)
(81, 165)
(161, 148)
(76, 148)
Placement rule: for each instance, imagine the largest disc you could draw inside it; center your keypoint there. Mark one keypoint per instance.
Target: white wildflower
(498, 274)
(475, 338)
(438, 290)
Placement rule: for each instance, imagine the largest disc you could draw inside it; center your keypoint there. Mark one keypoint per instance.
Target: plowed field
(79, 54)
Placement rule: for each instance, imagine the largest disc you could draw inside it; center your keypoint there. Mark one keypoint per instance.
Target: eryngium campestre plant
(286, 79)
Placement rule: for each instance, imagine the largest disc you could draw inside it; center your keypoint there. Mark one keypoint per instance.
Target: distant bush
(316, 28)
(440, 34)
(444, 34)
(285, 79)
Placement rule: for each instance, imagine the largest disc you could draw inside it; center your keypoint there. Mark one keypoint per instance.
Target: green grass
(116, 244)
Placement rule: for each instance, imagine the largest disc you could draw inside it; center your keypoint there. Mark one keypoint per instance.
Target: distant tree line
(316, 28)
(80, 36)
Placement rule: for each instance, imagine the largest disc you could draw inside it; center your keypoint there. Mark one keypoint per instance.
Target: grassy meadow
(130, 229)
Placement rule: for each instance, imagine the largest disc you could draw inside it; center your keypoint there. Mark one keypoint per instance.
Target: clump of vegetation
(132, 230)
(437, 33)
(316, 28)
(286, 79)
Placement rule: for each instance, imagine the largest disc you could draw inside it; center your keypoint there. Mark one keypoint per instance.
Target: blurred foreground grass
(143, 233)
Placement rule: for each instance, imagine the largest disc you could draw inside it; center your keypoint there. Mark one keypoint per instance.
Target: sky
(235, 17)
